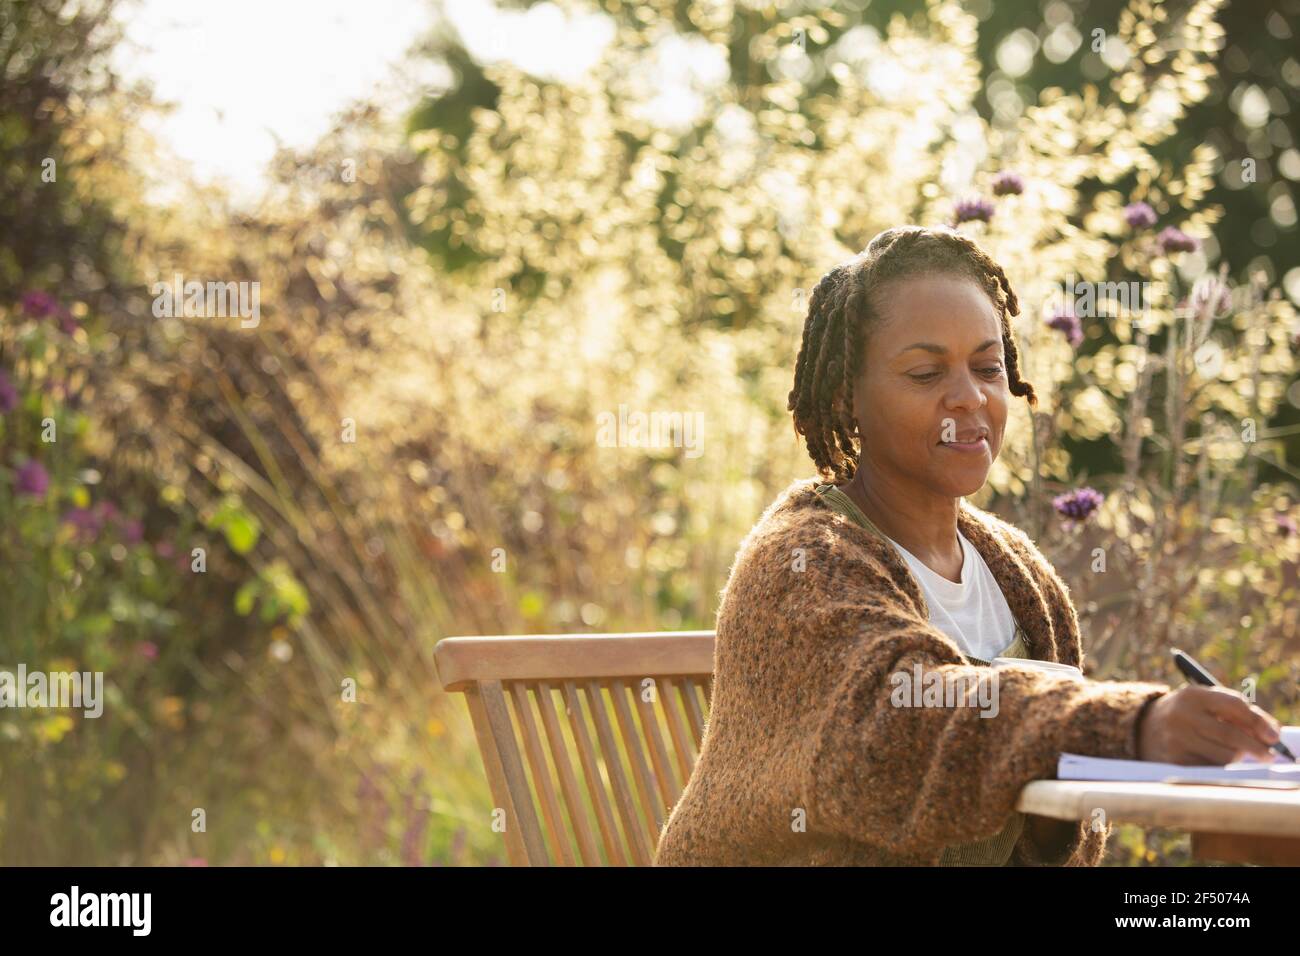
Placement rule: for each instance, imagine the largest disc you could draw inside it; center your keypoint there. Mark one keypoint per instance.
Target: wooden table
(1228, 824)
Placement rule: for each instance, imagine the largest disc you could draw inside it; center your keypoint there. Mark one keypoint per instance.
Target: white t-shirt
(974, 613)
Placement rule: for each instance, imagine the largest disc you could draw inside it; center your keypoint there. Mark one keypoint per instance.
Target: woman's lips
(969, 447)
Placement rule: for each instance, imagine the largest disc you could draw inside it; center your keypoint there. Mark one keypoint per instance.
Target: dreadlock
(842, 308)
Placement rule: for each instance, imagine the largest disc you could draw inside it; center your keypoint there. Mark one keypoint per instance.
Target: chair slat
(633, 827)
(578, 816)
(670, 700)
(541, 773)
(501, 760)
(591, 771)
(669, 787)
(693, 713)
(634, 743)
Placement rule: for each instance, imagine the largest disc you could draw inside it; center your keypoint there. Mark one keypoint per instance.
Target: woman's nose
(966, 393)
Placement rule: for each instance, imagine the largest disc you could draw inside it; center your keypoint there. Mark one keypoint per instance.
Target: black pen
(1197, 674)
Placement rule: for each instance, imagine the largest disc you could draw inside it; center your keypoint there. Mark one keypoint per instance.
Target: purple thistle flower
(1065, 321)
(38, 304)
(42, 305)
(1286, 525)
(90, 522)
(1008, 184)
(1175, 240)
(86, 522)
(1211, 295)
(1079, 504)
(32, 479)
(967, 210)
(8, 394)
(1139, 215)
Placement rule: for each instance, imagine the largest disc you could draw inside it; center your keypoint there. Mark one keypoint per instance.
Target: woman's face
(931, 401)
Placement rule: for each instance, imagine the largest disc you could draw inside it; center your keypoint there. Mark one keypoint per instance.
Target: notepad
(1080, 767)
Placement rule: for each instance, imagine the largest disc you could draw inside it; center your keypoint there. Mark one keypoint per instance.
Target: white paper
(1080, 767)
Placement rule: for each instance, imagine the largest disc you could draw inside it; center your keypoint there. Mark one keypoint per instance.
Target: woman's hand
(1205, 725)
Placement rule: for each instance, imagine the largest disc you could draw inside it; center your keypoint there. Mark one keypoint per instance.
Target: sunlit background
(474, 231)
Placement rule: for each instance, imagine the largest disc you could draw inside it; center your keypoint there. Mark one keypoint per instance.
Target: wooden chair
(632, 779)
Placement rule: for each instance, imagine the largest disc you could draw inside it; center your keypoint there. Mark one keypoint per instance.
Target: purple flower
(38, 304)
(89, 522)
(1286, 525)
(147, 649)
(1008, 184)
(85, 521)
(1139, 215)
(1079, 504)
(8, 394)
(132, 530)
(42, 305)
(32, 479)
(1211, 295)
(970, 209)
(1175, 240)
(1065, 321)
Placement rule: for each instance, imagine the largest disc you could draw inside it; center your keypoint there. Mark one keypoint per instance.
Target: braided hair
(842, 309)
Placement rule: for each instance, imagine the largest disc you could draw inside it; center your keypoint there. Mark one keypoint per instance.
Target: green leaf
(245, 597)
(240, 528)
(241, 533)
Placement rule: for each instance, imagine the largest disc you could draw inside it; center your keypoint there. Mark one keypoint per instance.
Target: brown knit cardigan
(804, 759)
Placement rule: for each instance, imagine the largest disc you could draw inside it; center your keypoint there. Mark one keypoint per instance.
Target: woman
(880, 574)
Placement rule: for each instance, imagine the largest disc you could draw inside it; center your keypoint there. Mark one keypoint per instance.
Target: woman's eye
(991, 371)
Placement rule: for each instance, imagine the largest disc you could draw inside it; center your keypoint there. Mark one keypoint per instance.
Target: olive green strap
(834, 496)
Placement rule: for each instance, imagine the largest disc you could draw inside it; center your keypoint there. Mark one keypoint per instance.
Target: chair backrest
(665, 679)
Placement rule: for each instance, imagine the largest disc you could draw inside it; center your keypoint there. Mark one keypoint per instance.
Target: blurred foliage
(402, 449)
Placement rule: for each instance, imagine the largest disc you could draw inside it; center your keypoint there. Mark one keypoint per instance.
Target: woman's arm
(909, 779)
(1046, 841)
(917, 779)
